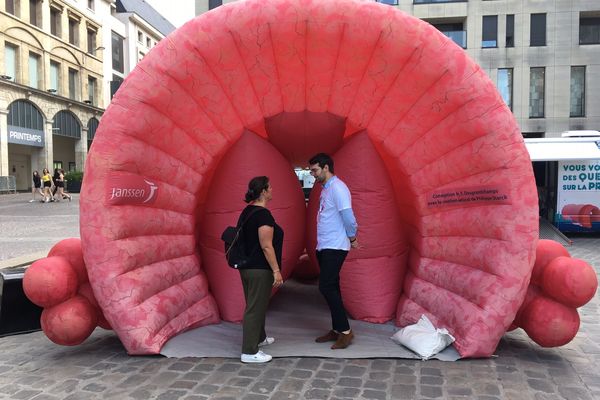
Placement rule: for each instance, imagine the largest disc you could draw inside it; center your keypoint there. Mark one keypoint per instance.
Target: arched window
(66, 124)
(24, 114)
(92, 125)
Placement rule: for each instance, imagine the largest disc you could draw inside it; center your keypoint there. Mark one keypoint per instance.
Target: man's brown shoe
(343, 340)
(330, 336)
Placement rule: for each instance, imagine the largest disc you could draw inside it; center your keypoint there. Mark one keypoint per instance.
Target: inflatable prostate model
(442, 184)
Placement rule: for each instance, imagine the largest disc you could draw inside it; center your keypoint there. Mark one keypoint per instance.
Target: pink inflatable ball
(571, 281)
(71, 250)
(546, 251)
(71, 322)
(306, 270)
(548, 323)
(50, 281)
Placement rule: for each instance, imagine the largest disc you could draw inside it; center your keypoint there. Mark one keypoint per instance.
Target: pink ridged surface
(430, 115)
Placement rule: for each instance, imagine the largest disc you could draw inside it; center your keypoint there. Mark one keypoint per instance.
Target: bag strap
(251, 213)
(239, 228)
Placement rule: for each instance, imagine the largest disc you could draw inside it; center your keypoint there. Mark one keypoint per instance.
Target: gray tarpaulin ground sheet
(297, 314)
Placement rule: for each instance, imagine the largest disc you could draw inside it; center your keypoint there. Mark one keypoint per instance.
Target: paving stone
(350, 382)
(25, 394)
(291, 385)
(346, 392)
(431, 371)
(431, 380)
(285, 396)
(181, 384)
(317, 394)
(431, 391)
(374, 394)
(320, 384)
(378, 385)
(352, 370)
(301, 373)
(541, 385)
(264, 386)
(459, 391)
(171, 395)
(404, 392)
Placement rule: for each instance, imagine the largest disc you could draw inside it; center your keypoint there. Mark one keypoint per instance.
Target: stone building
(61, 61)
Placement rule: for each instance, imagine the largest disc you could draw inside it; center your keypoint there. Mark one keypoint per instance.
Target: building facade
(50, 92)
(543, 55)
(61, 61)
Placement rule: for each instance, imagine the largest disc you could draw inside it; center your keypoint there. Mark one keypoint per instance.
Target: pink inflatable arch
(442, 184)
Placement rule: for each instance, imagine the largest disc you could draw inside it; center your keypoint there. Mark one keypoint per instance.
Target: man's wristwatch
(352, 240)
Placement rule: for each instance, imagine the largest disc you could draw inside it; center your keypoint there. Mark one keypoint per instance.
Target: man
(336, 234)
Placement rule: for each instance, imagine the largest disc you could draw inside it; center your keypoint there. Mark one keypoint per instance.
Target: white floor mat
(297, 314)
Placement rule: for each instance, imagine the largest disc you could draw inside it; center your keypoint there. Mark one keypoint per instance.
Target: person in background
(55, 186)
(263, 271)
(60, 184)
(336, 234)
(47, 183)
(37, 186)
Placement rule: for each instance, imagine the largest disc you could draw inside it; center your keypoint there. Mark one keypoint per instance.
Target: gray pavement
(31, 367)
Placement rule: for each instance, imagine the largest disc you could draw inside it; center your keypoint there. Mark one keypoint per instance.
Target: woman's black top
(260, 218)
(37, 181)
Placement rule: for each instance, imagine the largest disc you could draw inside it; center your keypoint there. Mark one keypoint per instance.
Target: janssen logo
(131, 190)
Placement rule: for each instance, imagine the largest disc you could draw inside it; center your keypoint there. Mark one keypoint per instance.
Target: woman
(263, 272)
(60, 184)
(37, 186)
(47, 182)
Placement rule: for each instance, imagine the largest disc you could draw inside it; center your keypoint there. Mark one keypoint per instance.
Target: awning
(563, 149)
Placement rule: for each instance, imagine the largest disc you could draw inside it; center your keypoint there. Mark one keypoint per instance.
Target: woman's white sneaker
(259, 357)
(268, 340)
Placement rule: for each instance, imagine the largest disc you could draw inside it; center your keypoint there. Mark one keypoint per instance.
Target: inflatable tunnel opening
(441, 181)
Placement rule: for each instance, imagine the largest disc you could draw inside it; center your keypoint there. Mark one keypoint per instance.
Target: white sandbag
(423, 338)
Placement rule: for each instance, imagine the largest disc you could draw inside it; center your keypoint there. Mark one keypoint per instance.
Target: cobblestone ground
(31, 367)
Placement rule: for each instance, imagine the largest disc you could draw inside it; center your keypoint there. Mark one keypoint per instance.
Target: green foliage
(74, 176)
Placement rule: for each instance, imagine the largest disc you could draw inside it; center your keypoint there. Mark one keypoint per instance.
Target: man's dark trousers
(330, 263)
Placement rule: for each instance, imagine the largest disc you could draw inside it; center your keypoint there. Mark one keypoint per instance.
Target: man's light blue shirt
(335, 219)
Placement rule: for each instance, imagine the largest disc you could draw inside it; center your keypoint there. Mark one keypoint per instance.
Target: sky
(177, 12)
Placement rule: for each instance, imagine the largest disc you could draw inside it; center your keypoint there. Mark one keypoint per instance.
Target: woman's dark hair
(255, 188)
(322, 159)
(36, 173)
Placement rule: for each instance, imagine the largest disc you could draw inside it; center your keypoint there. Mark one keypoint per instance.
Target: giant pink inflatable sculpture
(442, 184)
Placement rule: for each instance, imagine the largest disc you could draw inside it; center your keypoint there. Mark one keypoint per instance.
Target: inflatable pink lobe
(441, 181)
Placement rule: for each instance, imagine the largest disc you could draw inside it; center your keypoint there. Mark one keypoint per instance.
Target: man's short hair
(322, 159)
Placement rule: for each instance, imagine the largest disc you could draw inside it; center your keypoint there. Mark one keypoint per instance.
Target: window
(141, 55)
(54, 76)
(11, 7)
(91, 4)
(140, 37)
(34, 67)
(148, 42)
(91, 41)
(505, 85)
(536, 92)
(577, 92)
(537, 33)
(55, 21)
(490, 31)
(589, 29)
(72, 84)
(115, 84)
(455, 32)
(510, 30)
(74, 32)
(35, 17)
(117, 53)
(214, 4)
(92, 90)
(10, 62)
(390, 2)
